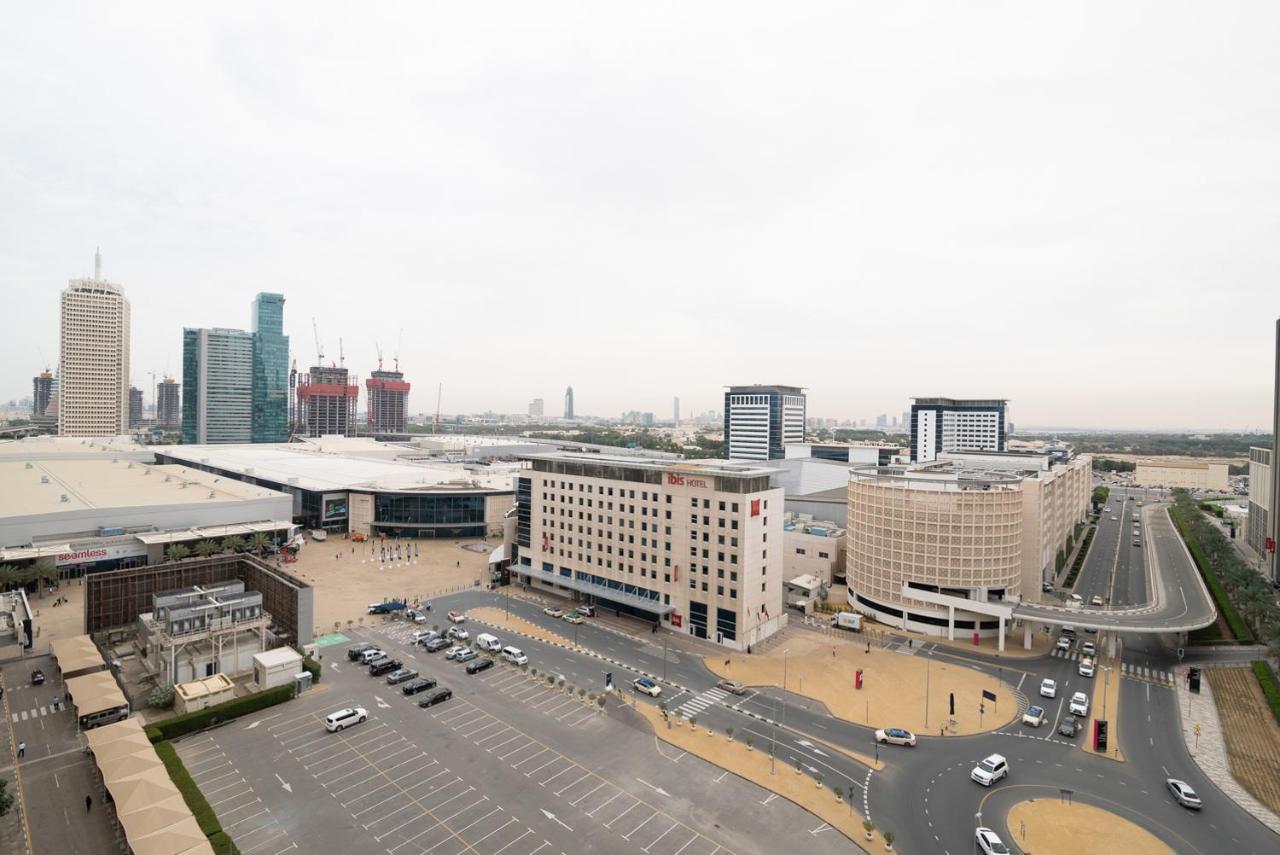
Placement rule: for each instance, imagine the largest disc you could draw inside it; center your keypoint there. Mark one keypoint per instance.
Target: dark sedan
(438, 696)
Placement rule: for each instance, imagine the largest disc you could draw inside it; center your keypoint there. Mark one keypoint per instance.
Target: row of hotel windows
(645, 496)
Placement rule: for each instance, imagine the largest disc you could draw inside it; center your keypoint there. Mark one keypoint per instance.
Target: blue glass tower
(270, 370)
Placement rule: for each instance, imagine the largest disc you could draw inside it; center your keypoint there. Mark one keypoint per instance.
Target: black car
(479, 665)
(438, 696)
(421, 684)
(353, 653)
(37, 677)
(1069, 727)
(383, 666)
(400, 675)
(435, 645)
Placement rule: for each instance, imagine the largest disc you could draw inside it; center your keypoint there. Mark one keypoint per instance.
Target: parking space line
(506, 742)
(571, 765)
(430, 793)
(627, 836)
(495, 831)
(660, 836)
(208, 793)
(592, 812)
(505, 730)
(585, 775)
(621, 815)
(512, 843)
(580, 798)
(231, 798)
(191, 766)
(471, 733)
(696, 835)
(204, 781)
(586, 715)
(469, 789)
(417, 816)
(569, 713)
(481, 819)
(540, 768)
(246, 819)
(521, 748)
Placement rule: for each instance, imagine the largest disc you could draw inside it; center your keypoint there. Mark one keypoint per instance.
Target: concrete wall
(1192, 476)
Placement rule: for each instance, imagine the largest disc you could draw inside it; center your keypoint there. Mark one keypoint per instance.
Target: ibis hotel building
(696, 545)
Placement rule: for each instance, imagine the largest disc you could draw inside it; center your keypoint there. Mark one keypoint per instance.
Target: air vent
(29, 466)
(64, 498)
(44, 479)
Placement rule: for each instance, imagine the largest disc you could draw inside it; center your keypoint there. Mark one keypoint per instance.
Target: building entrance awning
(624, 594)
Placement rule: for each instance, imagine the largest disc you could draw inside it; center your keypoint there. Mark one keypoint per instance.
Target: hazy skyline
(1072, 208)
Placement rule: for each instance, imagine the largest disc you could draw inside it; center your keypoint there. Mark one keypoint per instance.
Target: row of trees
(1245, 587)
(19, 576)
(259, 543)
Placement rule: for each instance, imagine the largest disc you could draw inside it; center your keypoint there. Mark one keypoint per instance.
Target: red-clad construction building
(327, 402)
(388, 401)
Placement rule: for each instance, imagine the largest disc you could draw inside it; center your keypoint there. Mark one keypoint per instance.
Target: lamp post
(1106, 682)
(784, 687)
(926, 694)
(664, 658)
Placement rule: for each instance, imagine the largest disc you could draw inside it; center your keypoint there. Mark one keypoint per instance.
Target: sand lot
(1054, 826)
(893, 693)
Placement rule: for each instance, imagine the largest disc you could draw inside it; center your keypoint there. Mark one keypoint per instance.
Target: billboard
(106, 552)
(335, 509)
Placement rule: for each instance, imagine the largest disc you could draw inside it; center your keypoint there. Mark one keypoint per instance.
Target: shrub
(200, 809)
(1193, 529)
(1270, 685)
(180, 725)
(153, 733)
(312, 667)
(161, 697)
(222, 844)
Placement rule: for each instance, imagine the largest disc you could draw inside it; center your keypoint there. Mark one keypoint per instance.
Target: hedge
(1270, 685)
(222, 844)
(181, 725)
(313, 667)
(200, 808)
(1078, 563)
(1236, 623)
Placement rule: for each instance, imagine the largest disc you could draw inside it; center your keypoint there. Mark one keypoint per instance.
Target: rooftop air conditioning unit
(44, 479)
(28, 466)
(64, 498)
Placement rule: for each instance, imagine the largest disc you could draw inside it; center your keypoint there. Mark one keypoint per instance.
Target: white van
(334, 722)
(369, 655)
(488, 642)
(514, 655)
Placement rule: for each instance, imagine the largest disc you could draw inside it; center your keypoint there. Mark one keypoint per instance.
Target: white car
(344, 718)
(457, 633)
(1086, 668)
(1048, 688)
(454, 652)
(1064, 643)
(1079, 704)
(649, 687)
(990, 770)
(989, 842)
(896, 736)
(1096, 600)
(419, 634)
(1182, 791)
(1087, 650)
(1034, 716)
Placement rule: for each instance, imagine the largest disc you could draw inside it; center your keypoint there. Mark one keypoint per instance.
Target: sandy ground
(1110, 687)
(498, 618)
(893, 692)
(753, 765)
(64, 621)
(1251, 732)
(1053, 827)
(347, 576)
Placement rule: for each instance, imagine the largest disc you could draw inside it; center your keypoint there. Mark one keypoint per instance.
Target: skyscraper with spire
(93, 359)
(568, 403)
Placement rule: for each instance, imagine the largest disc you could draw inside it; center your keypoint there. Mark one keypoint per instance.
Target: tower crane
(397, 356)
(342, 357)
(378, 348)
(319, 348)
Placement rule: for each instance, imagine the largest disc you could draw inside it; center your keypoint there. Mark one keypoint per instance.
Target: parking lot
(509, 765)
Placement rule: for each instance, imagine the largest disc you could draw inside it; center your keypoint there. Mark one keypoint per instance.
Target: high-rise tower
(270, 369)
(388, 394)
(168, 406)
(568, 403)
(93, 370)
(759, 421)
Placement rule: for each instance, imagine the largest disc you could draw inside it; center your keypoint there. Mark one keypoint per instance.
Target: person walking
(22, 750)
(88, 803)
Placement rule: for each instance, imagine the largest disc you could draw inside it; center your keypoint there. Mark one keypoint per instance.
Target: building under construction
(388, 394)
(168, 404)
(326, 402)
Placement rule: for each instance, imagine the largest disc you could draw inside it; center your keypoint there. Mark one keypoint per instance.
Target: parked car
(1096, 600)
(989, 842)
(990, 770)
(344, 718)
(1048, 688)
(452, 652)
(573, 617)
(479, 665)
(1047, 587)
(37, 677)
(733, 687)
(456, 617)
(353, 652)
(437, 696)
(400, 675)
(384, 666)
(1064, 643)
(896, 736)
(415, 616)
(1069, 727)
(1079, 704)
(422, 636)
(386, 608)
(1034, 716)
(418, 684)
(466, 655)
(644, 684)
(367, 657)
(436, 644)
(553, 611)
(586, 610)
(1183, 793)
(457, 633)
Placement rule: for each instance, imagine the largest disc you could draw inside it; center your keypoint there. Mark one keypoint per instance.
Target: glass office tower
(270, 370)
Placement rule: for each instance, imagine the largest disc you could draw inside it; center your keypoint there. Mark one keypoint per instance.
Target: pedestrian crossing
(1151, 675)
(34, 713)
(699, 703)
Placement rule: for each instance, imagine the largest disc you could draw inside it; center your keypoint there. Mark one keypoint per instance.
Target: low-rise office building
(1188, 474)
(697, 545)
(813, 548)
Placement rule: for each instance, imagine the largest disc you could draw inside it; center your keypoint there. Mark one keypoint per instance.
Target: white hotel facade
(695, 545)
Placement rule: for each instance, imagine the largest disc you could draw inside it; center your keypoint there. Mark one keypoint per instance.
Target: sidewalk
(1210, 751)
(13, 825)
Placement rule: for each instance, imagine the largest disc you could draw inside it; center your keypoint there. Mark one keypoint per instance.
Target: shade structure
(77, 655)
(100, 736)
(154, 817)
(125, 766)
(131, 794)
(131, 744)
(179, 837)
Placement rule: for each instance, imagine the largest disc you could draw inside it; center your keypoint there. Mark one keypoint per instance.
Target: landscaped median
(499, 619)
(1052, 826)
(1104, 703)
(753, 763)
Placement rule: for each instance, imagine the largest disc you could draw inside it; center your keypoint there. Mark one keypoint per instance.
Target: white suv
(1048, 688)
(989, 842)
(1079, 704)
(990, 770)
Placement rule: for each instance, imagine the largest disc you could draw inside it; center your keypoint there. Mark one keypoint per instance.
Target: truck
(386, 608)
(847, 620)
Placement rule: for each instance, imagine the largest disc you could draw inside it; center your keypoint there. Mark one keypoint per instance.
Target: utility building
(327, 402)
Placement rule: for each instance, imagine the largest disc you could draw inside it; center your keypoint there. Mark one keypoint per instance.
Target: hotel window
(733, 593)
(733, 576)
(704, 587)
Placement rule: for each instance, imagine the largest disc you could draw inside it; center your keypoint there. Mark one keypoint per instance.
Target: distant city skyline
(1102, 256)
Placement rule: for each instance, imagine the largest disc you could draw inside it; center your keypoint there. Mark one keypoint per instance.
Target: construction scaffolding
(326, 402)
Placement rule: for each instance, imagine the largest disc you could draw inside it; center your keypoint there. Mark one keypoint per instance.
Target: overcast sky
(1074, 206)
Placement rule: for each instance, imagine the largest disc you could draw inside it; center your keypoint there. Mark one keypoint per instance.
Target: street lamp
(784, 687)
(1106, 681)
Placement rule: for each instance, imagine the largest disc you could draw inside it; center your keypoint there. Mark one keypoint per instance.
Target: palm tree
(177, 552)
(207, 548)
(260, 543)
(9, 575)
(235, 543)
(44, 568)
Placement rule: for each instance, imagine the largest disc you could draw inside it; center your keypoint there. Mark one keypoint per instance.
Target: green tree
(235, 543)
(6, 800)
(260, 543)
(207, 548)
(177, 552)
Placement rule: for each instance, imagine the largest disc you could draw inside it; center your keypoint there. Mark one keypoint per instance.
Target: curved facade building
(923, 542)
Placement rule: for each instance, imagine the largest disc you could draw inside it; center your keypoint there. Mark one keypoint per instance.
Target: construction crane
(378, 348)
(397, 356)
(439, 394)
(319, 348)
(342, 357)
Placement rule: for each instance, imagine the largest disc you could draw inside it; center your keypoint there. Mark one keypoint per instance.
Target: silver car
(1182, 791)
(466, 655)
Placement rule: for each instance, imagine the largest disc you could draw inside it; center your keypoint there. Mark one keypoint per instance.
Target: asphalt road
(924, 795)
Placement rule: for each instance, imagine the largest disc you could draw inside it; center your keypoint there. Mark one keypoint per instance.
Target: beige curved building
(923, 540)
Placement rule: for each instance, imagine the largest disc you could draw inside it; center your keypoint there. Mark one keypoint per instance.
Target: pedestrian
(22, 749)
(942, 731)
(88, 803)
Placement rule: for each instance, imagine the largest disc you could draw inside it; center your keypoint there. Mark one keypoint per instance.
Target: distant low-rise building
(1187, 474)
(1259, 500)
(813, 548)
